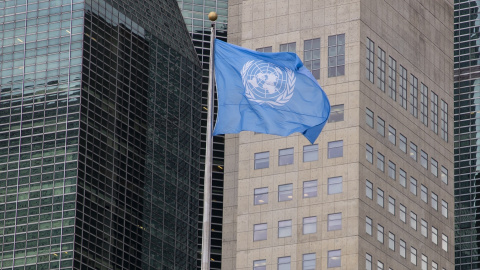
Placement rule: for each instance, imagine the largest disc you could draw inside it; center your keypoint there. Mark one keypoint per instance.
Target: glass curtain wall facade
(99, 135)
(467, 134)
(195, 15)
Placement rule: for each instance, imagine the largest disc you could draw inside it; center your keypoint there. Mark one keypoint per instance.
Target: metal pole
(207, 186)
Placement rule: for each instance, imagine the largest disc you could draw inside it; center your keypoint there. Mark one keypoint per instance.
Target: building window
(336, 55)
(392, 78)
(369, 153)
(392, 135)
(368, 225)
(444, 242)
(285, 192)
(370, 46)
(335, 149)
(336, 113)
(402, 178)
(391, 241)
(444, 208)
(260, 265)
(424, 262)
(434, 266)
(434, 111)
(424, 104)
(260, 196)
(368, 262)
(380, 126)
(380, 162)
(424, 159)
(403, 87)
(434, 235)
(310, 189)
(444, 121)
(334, 222)
(424, 193)
(380, 233)
(288, 47)
(260, 232)
(434, 167)
(403, 213)
(284, 228)
(381, 69)
(413, 220)
(413, 255)
(310, 153)
(284, 263)
(369, 117)
(413, 151)
(392, 171)
(403, 143)
(285, 156)
(424, 227)
(334, 258)
(335, 185)
(413, 186)
(309, 225)
(308, 262)
(261, 160)
(311, 56)
(434, 201)
(413, 95)
(444, 175)
(369, 189)
(403, 247)
(391, 205)
(379, 265)
(380, 197)
(264, 49)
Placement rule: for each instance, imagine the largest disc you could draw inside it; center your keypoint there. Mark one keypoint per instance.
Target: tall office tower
(99, 135)
(195, 14)
(375, 191)
(467, 177)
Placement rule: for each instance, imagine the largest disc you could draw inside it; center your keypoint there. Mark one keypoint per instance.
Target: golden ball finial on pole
(212, 16)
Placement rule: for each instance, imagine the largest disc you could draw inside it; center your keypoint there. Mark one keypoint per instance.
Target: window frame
(312, 223)
(380, 162)
(259, 230)
(403, 87)
(284, 192)
(260, 195)
(307, 262)
(391, 205)
(392, 78)
(380, 126)
(381, 67)
(413, 95)
(258, 159)
(310, 150)
(311, 56)
(434, 111)
(286, 156)
(334, 222)
(331, 254)
(284, 226)
(310, 185)
(334, 184)
(369, 189)
(380, 233)
(369, 117)
(413, 151)
(380, 197)
(335, 59)
(337, 111)
(332, 149)
(368, 226)
(424, 104)
(370, 60)
(369, 153)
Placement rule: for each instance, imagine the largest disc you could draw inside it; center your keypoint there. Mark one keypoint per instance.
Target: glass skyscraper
(195, 14)
(467, 134)
(99, 135)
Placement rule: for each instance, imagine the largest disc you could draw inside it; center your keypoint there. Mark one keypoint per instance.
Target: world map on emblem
(267, 83)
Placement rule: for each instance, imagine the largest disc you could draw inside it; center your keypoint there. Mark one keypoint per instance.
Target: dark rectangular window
(381, 69)
(288, 47)
(413, 95)
(434, 111)
(336, 55)
(311, 56)
(369, 65)
(444, 121)
(424, 104)
(403, 87)
(392, 78)
(336, 113)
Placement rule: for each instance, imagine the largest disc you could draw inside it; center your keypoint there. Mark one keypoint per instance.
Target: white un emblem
(267, 83)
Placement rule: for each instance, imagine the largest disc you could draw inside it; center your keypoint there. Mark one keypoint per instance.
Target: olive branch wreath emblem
(282, 99)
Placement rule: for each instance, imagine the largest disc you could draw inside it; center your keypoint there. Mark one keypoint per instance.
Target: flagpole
(207, 186)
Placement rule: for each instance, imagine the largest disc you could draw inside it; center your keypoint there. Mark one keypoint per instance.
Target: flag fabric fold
(271, 93)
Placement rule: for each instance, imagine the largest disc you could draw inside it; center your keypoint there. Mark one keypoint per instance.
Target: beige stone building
(375, 191)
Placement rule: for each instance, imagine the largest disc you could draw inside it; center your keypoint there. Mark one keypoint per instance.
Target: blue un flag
(271, 93)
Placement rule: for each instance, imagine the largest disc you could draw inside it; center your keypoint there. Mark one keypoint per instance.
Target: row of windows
(413, 256)
(402, 144)
(392, 244)
(392, 87)
(334, 223)
(308, 261)
(311, 54)
(310, 190)
(310, 153)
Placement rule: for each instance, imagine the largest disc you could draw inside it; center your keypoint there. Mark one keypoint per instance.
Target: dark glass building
(467, 134)
(99, 135)
(195, 14)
